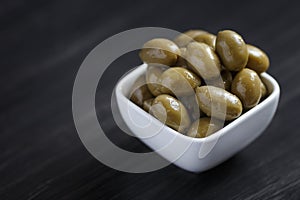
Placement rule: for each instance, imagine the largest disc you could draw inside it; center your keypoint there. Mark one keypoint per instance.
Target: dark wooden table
(42, 45)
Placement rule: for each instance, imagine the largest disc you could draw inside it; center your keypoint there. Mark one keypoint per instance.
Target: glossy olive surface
(181, 61)
(140, 91)
(153, 74)
(227, 79)
(232, 50)
(207, 38)
(219, 103)
(247, 86)
(203, 60)
(178, 81)
(190, 103)
(147, 104)
(171, 112)
(204, 127)
(185, 38)
(225, 83)
(160, 51)
(257, 60)
(264, 90)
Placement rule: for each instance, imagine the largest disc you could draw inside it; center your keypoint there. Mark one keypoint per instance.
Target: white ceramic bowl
(195, 154)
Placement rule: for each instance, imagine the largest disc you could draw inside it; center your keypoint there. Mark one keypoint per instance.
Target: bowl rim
(272, 86)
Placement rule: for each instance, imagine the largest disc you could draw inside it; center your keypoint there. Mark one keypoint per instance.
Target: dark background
(42, 45)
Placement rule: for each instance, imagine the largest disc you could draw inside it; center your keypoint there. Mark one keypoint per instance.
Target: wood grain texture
(42, 44)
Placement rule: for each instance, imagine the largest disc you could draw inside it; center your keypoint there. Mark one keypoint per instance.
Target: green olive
(192, 107)
(147, 104)
(140, 91)
(227, 79)
(171, 111)
(218, 103)
(247, 86)
(257, 60)
(160, 51)
(203, 60)
(153, 74)
(178, 81)
(170, 90)
(181, 61)
(264, 90)
(207, 38)
(185, 38)
(225, 83)
(204, 127)
(232, 50)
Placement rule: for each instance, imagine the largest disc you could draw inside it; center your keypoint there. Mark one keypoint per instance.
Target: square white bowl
(195, 154)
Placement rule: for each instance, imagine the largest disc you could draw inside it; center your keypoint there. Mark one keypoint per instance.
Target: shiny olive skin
(204, 127)
(224, 104)
(247, 86)
(153, 74)
(264, 90)
(140, 91)
(147, 104)
(225, 83)
(171, 111)
(185, 38)
(207, 38)
(160, 51)
(179, 81)
(181, 61)
(203, 60)
(232, 50)
(192, 107)
(227, 79)
(257, 60)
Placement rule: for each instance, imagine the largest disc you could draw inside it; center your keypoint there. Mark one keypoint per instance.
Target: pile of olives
(199, 80)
